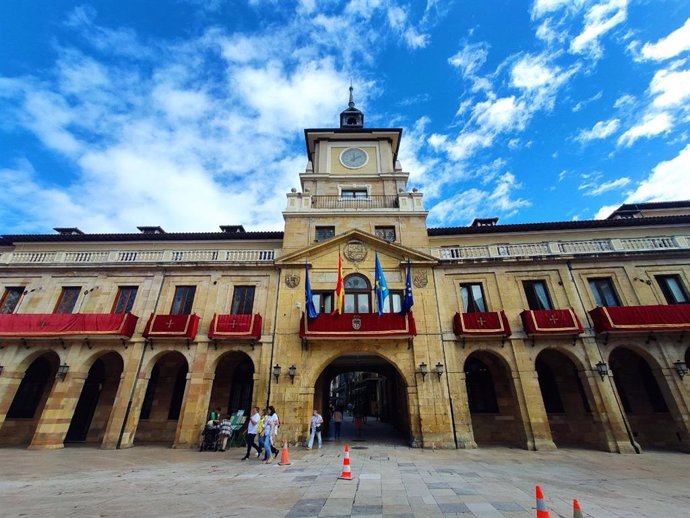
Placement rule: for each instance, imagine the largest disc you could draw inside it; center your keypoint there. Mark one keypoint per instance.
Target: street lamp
(681, 368)
(292, 370)
(276, 371)
(423, 370)
(439, 369)
(62, 371)
(602, 369)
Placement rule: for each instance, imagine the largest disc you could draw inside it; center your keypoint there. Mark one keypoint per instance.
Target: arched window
(357, 294)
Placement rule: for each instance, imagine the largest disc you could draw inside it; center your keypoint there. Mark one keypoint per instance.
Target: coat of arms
(356, 323)
(355, 251)
(420, 279)
(292, 280)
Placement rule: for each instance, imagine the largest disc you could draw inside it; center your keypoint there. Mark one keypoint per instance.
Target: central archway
(372, 396)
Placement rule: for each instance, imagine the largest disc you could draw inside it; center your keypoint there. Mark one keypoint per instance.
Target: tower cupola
(351, 117)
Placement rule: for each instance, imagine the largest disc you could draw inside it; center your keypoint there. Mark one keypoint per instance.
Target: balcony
(171, 327)
(641, 319)
(551, 322)
(235, 327)
(481, 325)
(70, 325)
(357, 326)
(364, 203)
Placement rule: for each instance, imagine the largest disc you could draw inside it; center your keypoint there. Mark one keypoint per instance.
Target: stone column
(138, 396)
(678, 401)
(464, 433)
(58, 412)
(197, 392)
(9, 384)
(532, 411)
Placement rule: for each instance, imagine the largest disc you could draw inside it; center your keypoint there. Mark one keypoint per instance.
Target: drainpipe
(273, 343)
(628, 430)
(136, 379)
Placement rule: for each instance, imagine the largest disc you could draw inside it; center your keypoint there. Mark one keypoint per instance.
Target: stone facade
(532, 392)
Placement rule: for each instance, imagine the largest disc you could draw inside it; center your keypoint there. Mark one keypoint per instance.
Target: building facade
(531, 335)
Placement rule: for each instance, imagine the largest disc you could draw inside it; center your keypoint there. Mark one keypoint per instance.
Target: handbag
(318, 428)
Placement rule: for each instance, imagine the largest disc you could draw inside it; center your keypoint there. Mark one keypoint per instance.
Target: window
(68, 299)
(10, 299)
(323, 301)
(357, 294)
(183, 301)
(604, 294)
(394, 302)
(385, 233)
(472, 298)
(537, 295)
(356, 194)
(124, 299)
(242, 300)
(323, 233)
(671, 286)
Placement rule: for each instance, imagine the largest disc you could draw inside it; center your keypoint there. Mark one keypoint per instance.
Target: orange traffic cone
(577, 510)
(347, 473)
(284, 455)
(541, 506)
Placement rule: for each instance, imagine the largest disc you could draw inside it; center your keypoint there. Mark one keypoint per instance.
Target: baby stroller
(210, 438)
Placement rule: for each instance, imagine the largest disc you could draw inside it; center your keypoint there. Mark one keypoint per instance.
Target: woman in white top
(315, 429)
(271, 425)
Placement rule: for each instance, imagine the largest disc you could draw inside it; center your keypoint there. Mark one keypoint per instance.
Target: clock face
(353, 158)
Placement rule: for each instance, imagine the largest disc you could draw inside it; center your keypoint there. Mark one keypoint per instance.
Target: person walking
(271, 424)
(252, 429)
(337, 422)
(315, 429)
(225, 431)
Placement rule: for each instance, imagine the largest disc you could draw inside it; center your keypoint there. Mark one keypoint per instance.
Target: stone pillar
(678, 401)
(464, 433)
(132, 423)
(416, 436)
(58, 411)
(197, 393)
(9, 384)
(532, 411)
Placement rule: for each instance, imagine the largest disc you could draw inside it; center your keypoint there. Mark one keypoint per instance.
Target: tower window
(357, 194)
(385, 233)
(323, 233)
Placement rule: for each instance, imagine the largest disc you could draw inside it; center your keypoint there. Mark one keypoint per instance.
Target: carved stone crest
(420, 278)
(292, 280)
(355, 251)
(356, 323)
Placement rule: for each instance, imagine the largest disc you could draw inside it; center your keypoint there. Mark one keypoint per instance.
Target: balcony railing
(370, 202)
(139, 257)
(563, 248)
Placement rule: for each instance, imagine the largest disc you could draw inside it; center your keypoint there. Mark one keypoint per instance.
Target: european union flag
(312, 312)
(381, 286)
(408, 300)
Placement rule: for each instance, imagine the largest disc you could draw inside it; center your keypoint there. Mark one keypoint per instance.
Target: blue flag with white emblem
(408, 300)
(312, 312)
(381, 286)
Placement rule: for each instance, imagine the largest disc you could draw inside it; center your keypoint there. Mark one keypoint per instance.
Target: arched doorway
(643, 400)
(92, 412)
(371, 394)
(233, 384)
(28, 402)
(163, 399)
(566, 401)
(492, 402)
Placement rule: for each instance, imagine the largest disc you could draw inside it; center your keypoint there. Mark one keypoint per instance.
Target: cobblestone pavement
(389, 480)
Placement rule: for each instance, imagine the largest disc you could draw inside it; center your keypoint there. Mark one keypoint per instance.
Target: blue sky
(118, 114)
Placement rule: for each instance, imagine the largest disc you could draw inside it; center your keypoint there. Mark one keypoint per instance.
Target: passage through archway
(28, 402)
(566, 401)
(641, 394)
(95, 403)
(233, 384)
(370, 394)
(492, 402)
(163, 399)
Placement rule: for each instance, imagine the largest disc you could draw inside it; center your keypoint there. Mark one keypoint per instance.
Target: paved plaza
(389, 480)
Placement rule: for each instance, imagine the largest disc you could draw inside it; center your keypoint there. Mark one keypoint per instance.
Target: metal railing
(369, 202)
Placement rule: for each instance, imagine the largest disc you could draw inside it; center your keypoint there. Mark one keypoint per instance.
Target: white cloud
(670, 46)
(543, 7)
(594, 189)
(600, 130)
(470, 58)
(605, 211)
(624, 100)
(532, 72)
(668, 181)
(599, 19)
(670, 88)
(650, 126)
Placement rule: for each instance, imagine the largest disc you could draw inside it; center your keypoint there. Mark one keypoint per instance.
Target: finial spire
(351, 117)
(351, 104)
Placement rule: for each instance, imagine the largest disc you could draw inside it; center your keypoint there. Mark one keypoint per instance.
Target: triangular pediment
(403, 253)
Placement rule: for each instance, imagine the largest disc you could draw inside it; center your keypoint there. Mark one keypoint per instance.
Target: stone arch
(492, 400)
(24, 411)
(316, 371)
(156, 356)
(646, 398)
(233, 383)
(568, 399)
(36, 353)
(163, 399)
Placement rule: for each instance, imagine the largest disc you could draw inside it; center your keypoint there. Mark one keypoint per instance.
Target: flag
(312, 312)
(339, 301)
(381, 286)
(408, 301)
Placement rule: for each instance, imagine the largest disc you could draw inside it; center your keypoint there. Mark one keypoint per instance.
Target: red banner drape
(551, 322)
(630, 319)
(172, 326)
(235, 326)
(116, 325)
(490, 323)
(358, 325)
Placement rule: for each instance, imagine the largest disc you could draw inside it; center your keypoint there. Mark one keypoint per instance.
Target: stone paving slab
(493, 482)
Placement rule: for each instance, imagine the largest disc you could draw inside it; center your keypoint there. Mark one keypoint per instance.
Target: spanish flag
(339, 290)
